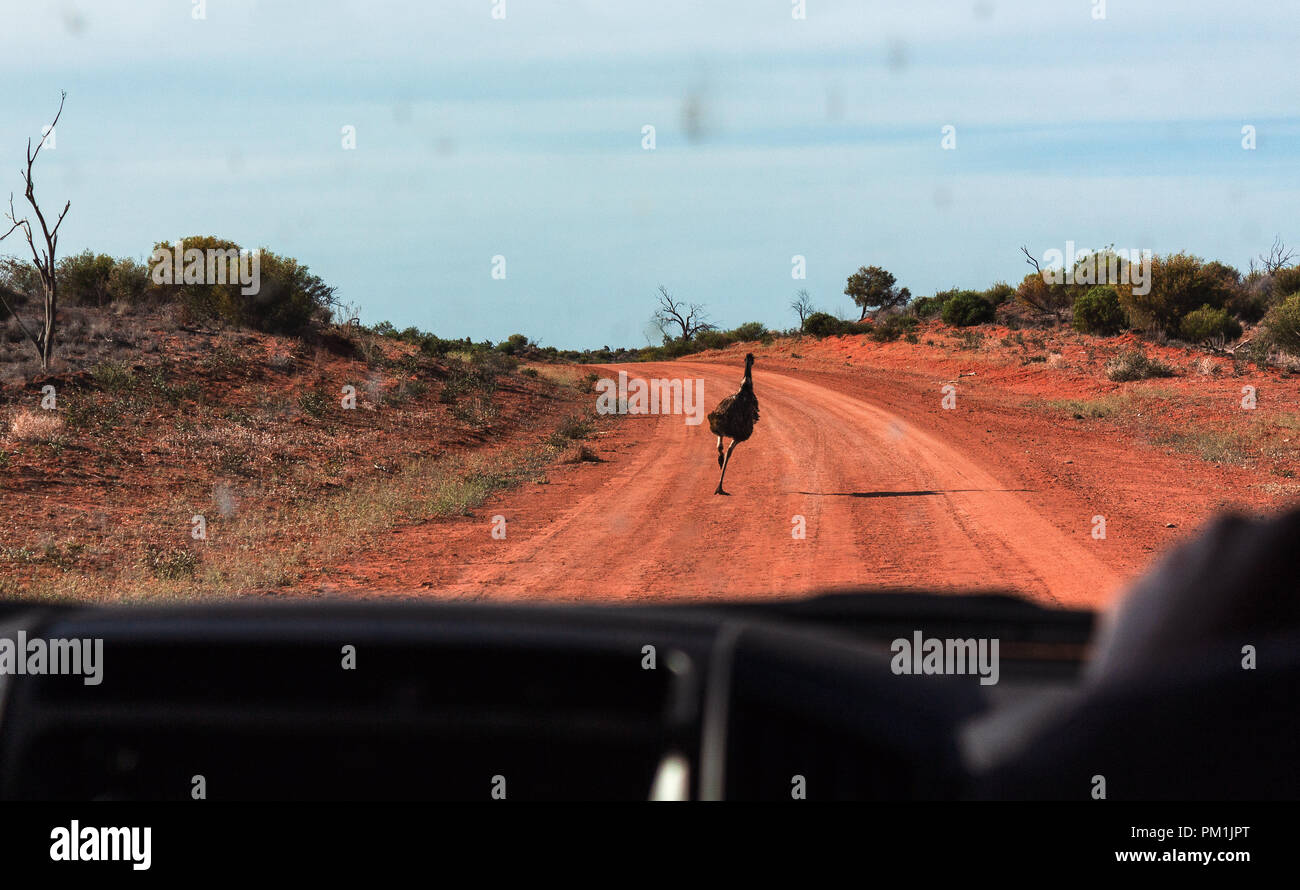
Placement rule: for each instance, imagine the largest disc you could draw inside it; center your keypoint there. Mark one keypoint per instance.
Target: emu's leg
(725, 462)
(719, 451)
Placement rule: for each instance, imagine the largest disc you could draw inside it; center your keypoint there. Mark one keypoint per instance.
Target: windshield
(630, 303)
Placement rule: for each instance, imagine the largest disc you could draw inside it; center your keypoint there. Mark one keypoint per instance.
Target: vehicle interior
(713, 702)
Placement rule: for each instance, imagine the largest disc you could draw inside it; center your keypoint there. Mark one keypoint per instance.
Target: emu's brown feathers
(734, 418)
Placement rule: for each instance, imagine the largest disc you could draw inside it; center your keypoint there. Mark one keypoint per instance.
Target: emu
(734, 418)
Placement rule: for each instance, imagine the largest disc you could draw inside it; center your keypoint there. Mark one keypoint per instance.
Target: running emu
(735, 417)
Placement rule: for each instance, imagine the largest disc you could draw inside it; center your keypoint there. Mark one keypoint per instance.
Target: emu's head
(749, 360)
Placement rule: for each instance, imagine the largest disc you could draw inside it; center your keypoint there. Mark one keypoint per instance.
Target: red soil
(999, 493)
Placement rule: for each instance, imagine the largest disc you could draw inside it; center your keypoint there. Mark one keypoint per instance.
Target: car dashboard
(354, 700)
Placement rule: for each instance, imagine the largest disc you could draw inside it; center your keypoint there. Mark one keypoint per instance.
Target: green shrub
(84, 279)
(128, 282)
(1180, 283)
(1208, 323)
(967, 308)
(1285, 282)
(823, 324)
(1099, 312)
(926, 307)
(750, 330)
(513, 345)
(705, 340)
(999, 293)
(289, 299)
(90, 279)
(1282, 324)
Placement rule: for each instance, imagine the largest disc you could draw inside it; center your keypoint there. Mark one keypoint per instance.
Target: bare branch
(16, 222)
(44, 259)
(31, 158)
(688, 319)
(803, 306)
(1030, 259)
(1278, 257)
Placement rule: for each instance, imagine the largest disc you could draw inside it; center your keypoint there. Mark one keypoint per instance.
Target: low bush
(1099, 312)
(750, 330)
(288, 299)
(1282, 325)
(1208, 323)
(967, 308)
(927, 307)
(1135, 365)
(823, 324)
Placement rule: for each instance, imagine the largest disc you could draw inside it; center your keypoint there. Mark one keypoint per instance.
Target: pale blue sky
(522, 137)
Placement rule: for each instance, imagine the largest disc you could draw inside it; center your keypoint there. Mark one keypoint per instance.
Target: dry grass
(1093, 409)
(251, 551)
(35, 427)
(227, 436)
(88, 337)
(574, 376)
(1243, 440)
(1285, 361)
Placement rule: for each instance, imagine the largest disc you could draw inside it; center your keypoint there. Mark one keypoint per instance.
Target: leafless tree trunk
(44, 259)
(688, 319)
(803, 306)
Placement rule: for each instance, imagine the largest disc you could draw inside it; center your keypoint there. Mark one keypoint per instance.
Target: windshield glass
(638, 302)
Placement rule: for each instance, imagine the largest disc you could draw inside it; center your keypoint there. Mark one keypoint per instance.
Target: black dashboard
(348, 700)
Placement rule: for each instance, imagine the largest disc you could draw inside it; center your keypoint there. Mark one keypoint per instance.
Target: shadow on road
(903, 494)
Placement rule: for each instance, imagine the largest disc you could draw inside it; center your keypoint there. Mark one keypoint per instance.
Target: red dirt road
(900, 496)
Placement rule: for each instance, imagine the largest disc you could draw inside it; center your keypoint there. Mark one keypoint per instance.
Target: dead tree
(44, 259)
(803, 306)
(688, 319)
(1278, 258)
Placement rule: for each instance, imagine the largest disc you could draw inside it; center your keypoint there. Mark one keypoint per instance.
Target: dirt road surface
(891, 489)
